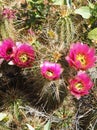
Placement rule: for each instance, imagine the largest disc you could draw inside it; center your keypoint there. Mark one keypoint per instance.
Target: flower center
(23, 58)
(79, 86)
(9, 51)
(81, 58)
(49, 73)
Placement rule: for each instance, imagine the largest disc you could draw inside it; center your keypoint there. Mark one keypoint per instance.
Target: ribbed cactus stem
(68, 2)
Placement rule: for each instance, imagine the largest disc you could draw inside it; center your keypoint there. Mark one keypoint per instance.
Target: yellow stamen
(79, 86)
(23, 58)
(81, 58)
(49, 73)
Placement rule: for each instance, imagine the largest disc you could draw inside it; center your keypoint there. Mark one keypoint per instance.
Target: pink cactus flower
(51, 71)
(6, 49)
(81, 56)
(24, 55)
(80, 85)
(8, 13)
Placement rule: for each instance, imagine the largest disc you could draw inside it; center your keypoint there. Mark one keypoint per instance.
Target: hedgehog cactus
(41, 61)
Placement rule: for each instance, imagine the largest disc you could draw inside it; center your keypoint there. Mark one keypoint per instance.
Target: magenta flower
(8, 13)
(81, 56)
(80, 85)
(51, 71)
(24, 55)
(6, 49)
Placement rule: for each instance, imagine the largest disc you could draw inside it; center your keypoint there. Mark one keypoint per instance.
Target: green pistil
(23, 58)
